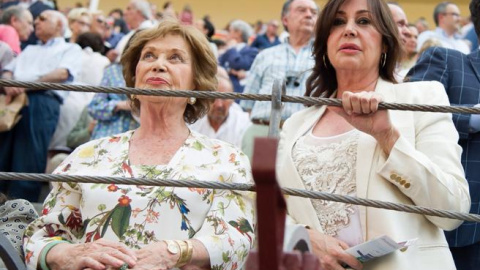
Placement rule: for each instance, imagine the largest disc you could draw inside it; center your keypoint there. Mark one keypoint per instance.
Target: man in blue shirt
(24, 148)
(269, 39)
(291, 61)
(460, 75)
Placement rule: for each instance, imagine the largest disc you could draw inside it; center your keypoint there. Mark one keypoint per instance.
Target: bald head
(401, 21)
(218, 112)
(50, 24)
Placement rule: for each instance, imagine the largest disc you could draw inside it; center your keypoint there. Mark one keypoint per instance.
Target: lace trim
(330, 168)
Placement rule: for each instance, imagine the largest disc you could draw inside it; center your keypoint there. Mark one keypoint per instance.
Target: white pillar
(93, 5)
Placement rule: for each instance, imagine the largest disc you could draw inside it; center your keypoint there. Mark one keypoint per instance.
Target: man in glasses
(447, 19)
(291, 61)
(17, 25)
(269, 39)
(24, 148)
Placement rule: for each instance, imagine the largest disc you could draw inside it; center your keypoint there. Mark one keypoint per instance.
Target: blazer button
(399, 179)
(393, 177)
(407, 185)
(402, 182)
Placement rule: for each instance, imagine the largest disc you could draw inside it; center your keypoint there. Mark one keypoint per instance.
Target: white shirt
(93, 65)
(38, 60)
(451, 42)
(231, 130)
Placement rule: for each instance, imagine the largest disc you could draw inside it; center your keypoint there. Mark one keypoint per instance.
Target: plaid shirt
(459, 74)
(274, 63)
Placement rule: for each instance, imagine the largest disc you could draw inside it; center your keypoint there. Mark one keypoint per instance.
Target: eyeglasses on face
(42, 18)
(82, 23)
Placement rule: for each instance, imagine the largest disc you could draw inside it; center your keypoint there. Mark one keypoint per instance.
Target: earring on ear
(384, 59)
(191, 100)
(325, 62)
(133, 96)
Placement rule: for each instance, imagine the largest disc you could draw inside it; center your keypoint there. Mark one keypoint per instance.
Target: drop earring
(192, 100)
(384, 59)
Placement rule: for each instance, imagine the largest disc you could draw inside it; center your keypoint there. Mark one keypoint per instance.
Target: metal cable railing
(239, 187)
(275, 98)
(214, 95)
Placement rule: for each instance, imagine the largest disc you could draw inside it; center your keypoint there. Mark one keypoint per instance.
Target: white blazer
(422, 169)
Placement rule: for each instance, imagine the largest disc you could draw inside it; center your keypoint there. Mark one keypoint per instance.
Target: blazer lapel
(474, 58)
(300, 208)
(367, 144)
(366, 153)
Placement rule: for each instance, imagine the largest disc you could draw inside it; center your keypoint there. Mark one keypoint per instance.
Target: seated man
(24, 148)
(17, 25)
(225, 120)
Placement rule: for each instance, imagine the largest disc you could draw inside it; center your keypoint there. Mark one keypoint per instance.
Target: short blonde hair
(203, 61)
(76, 13)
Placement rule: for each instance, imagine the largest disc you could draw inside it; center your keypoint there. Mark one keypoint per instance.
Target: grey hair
(286, 10)
(243, 27)
(439, 9)
(144, 8)
(61, 18)
(13, 11)
(286, 7)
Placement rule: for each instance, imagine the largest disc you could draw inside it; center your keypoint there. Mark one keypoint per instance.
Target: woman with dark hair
(397, 156)
(145, 227)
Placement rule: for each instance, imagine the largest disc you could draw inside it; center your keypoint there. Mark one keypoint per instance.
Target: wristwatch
(172, 247)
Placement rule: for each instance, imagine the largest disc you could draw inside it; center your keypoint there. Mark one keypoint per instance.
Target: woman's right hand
(331, 252)
(99, 254)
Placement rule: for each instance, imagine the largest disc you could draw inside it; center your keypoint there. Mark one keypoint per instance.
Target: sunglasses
(82, 23)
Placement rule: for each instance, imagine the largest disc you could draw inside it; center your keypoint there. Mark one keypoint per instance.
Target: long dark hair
(323, 80)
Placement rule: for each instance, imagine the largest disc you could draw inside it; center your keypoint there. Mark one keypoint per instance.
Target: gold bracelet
(189, 251)
(186, 253)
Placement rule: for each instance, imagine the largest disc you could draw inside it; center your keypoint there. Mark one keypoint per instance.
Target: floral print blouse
(222, 220)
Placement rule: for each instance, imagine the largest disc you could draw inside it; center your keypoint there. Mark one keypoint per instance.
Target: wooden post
(271, 216)
(271, 206)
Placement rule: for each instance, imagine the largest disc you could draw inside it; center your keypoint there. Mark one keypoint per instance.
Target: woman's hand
(100, 255)
(330, 252)
(155, 256)
(361, 111)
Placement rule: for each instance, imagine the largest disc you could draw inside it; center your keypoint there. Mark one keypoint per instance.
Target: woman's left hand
(361, 111)
(155, 256)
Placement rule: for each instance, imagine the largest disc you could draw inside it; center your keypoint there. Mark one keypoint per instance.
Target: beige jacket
(422, 169)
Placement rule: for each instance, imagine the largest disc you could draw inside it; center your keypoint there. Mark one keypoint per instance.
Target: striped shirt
(278, 63)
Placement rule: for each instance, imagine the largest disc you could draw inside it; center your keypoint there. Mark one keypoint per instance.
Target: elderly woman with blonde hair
(79, 22)
(98, 226)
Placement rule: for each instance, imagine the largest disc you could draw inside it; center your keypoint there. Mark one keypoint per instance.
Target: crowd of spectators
(61, 131)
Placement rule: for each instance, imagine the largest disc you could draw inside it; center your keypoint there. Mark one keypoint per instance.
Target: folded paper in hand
(377, 247)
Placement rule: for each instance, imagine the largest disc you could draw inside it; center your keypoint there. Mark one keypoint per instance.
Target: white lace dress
(328, 164)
